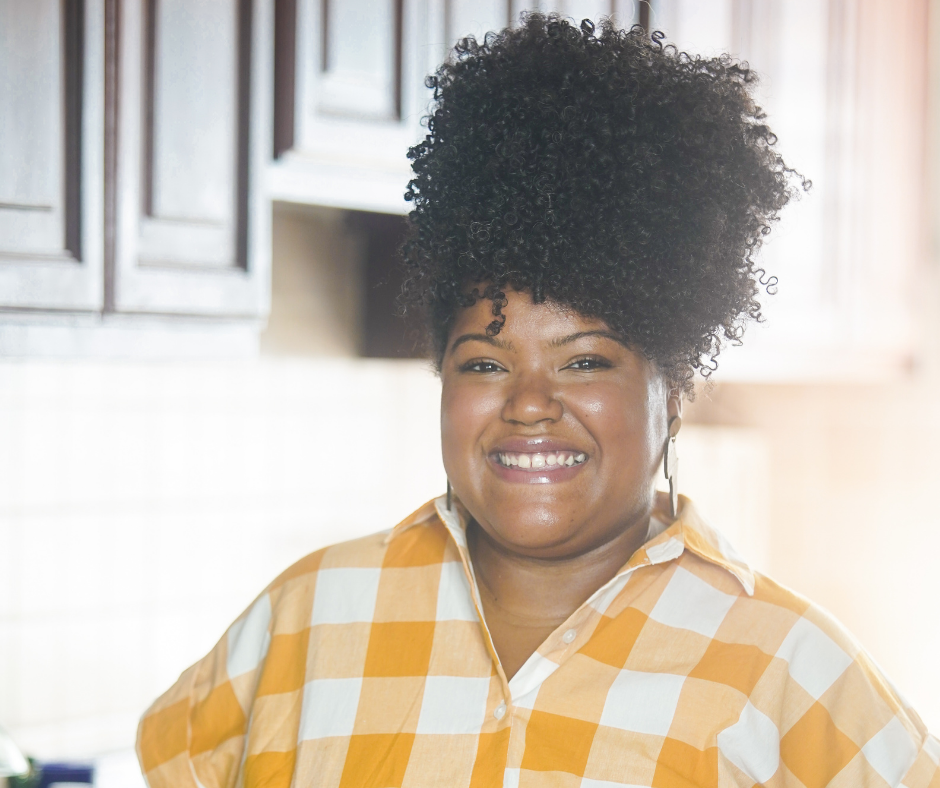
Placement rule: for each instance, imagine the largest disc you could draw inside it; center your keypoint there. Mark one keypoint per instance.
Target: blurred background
(202, 378)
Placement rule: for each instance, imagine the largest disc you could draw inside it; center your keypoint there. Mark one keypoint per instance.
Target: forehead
(525, 320)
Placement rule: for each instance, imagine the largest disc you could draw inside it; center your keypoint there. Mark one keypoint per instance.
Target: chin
(535, 526)
(535, 542)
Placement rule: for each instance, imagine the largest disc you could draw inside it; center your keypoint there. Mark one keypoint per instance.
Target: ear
(673, 403)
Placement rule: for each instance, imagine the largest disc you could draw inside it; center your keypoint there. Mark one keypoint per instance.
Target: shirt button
(569, 636)
(500, 711)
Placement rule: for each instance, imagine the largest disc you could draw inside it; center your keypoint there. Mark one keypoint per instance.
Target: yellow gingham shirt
(367, 664)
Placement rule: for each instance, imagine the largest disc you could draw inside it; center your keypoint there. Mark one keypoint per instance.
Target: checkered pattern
(366, 664)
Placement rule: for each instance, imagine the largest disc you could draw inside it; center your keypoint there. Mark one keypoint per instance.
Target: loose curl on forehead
(601, 170)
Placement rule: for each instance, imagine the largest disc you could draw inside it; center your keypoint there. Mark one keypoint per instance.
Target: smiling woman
(587, 209)
(553, 385)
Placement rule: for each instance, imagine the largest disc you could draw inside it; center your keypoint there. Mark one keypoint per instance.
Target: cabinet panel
(340, 142)
(31, 156)
(586, 9)
(191, 221)
(700, 26)
(357, 101)
(848, 106)
(624, 12)
(361, 74)
(190, 142)
(51, 140)
(350, 60)
(475, 17)
(194, 68)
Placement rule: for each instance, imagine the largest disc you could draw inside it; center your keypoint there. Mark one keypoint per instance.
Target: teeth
(555, 459)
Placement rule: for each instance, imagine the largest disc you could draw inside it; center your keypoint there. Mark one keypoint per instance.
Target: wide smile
(536, 467)
(534, 461)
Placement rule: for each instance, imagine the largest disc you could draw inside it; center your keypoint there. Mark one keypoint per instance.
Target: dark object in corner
(384, 333)
(42, 775)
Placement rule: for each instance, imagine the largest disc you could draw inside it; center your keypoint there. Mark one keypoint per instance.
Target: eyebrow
(480, 338)
(581, 334)
(557, 342)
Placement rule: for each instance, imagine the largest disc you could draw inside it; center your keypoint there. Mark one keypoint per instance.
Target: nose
(531, 399)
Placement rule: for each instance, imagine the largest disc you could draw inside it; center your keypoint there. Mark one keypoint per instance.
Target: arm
(194, 735)
(847, 723)
(823, 714)
(925, 771)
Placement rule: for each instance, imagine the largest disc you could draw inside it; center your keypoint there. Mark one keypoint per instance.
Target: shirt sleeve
(925, 771)
(841, 720)
(194, 735)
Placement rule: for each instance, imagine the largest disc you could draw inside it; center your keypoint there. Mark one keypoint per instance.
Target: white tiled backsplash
(143, 506)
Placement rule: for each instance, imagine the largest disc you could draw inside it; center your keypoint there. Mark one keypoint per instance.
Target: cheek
(620, 421)
(465, 413)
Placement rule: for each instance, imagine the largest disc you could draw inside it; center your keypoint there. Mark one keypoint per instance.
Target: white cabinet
(358, 95)
(133, 140)
(191, 222)
(357, 99)
(51, 148)
(848, 103)
(143, 141)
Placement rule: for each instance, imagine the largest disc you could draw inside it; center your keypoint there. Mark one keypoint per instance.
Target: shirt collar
(688, 531)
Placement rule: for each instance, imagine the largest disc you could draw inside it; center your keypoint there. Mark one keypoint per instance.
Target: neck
(539, 592)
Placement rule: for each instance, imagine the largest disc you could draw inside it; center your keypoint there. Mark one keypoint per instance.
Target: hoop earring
(671, 464)
(449, 497)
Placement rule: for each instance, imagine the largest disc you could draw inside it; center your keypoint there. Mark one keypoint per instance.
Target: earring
(671, 464)
(449, 497)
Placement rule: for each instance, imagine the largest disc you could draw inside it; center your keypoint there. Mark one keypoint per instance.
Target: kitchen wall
(142, 507)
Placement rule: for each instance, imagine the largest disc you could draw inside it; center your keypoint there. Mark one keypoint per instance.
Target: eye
(481, 365)
(589, 364)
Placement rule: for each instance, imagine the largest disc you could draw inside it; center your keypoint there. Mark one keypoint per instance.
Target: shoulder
(812, 653)
(810, 703)
(810, 657)
(817, 703)
(256, 672)
(802, 644)
(353, 567)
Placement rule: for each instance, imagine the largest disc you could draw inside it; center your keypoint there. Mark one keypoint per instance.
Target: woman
(587, 211)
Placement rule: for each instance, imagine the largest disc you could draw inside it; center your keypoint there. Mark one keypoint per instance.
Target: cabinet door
(624, 12)
(51, 147)
(848, 105)
(192, 227)
(356, 92)
(358, 69)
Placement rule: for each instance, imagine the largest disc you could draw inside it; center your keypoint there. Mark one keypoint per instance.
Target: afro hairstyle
(601, 170)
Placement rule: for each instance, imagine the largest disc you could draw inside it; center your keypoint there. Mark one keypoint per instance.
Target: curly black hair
(602, 170)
